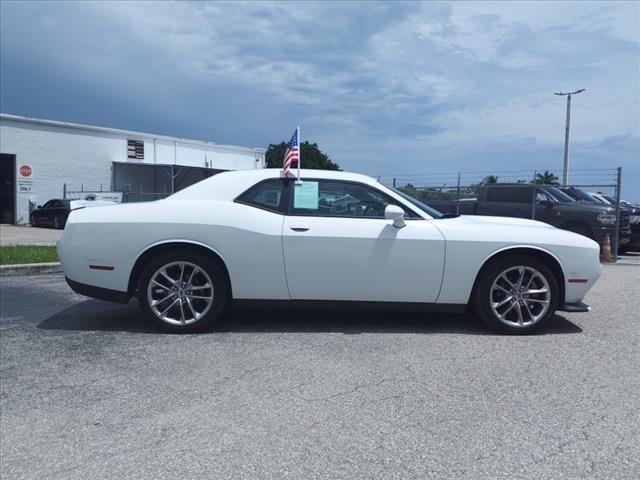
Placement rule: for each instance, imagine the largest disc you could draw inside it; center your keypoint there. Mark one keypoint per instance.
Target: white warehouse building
(45, 159)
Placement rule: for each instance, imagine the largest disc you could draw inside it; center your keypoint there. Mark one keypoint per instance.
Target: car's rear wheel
(516, 294)
(183, 292)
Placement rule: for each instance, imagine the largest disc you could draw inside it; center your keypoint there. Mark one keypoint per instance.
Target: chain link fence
(588, 205)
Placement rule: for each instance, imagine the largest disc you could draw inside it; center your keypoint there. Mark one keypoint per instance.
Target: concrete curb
(30, 269)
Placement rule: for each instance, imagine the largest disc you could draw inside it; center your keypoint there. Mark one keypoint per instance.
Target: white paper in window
(305, 195)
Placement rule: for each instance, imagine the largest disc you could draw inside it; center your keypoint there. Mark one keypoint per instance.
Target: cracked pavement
(90, 389)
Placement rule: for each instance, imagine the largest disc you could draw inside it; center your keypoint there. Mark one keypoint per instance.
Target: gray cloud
(381, 86)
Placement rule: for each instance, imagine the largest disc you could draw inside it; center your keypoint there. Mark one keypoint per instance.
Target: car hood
(509, 221)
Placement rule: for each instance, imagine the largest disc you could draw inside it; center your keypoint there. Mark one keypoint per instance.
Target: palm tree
(546, 178)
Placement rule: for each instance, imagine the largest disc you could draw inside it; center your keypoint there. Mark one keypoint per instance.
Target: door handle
(299, 229)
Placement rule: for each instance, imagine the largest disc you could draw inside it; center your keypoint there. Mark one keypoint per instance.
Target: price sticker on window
(305, 195)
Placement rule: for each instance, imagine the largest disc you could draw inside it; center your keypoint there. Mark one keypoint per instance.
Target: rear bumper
(578, 307)
(98, 292)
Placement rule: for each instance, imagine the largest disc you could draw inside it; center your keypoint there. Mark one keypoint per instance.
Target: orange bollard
(605, 255)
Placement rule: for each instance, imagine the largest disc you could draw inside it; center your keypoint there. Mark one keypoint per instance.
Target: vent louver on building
(135, 149)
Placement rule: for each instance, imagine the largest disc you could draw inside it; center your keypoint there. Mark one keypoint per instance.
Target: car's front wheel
(516, 294)
(183, 292)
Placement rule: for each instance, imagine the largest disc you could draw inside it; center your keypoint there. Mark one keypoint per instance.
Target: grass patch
(14, 254)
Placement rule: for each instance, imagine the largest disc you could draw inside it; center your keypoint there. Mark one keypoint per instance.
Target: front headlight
(606, 218)
(633, 219)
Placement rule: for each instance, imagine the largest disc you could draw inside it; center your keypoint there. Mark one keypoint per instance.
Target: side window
(339, 199)
(268, 195)
(49, 204)
(509, 194)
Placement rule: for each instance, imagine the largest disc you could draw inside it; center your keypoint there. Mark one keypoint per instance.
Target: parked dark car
(629, 214)
(552, 206)
(54, 213)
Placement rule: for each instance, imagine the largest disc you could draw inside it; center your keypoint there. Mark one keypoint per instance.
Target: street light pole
(565, 169)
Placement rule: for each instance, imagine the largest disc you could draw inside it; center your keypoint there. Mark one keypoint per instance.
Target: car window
(510, 194)
(340, 199)
(268, 195)
(49, 204)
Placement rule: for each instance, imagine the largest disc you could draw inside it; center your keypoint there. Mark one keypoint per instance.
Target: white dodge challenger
(334, 238)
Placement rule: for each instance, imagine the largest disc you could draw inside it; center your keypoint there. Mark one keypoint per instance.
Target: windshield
(559, 195)
(611, 200)
(417, 203)
(580, 195)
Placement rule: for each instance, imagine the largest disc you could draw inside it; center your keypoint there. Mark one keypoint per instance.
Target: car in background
(629, 233)
(54, 213)
(552, 205)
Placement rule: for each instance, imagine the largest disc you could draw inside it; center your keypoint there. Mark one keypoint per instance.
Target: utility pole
(565, 169)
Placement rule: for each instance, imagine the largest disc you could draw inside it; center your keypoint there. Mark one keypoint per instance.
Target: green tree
(489, 179)
(312, 157)
(546, 178)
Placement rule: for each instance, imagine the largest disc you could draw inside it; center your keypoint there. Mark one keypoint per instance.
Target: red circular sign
(25, 170)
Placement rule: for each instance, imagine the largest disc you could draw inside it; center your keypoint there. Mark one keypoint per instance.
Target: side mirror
(395, 213)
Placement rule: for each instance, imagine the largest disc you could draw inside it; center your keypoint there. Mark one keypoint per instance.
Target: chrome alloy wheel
(520, 296)
(180, 293)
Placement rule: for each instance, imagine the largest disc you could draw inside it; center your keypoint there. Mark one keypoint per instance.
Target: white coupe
(334, 238)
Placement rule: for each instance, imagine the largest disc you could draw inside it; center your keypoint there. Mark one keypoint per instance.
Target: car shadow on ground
(96, 315)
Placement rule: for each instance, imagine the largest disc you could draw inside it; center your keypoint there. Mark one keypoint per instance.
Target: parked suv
(552, 206)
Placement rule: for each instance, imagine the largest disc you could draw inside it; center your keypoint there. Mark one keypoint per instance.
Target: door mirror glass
(396, 214)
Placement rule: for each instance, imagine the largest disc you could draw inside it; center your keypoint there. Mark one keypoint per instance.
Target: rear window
(268, 195)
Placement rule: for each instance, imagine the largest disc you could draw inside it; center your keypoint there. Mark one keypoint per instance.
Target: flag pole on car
(291, 154)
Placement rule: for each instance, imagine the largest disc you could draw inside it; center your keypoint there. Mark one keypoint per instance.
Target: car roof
(228, 185)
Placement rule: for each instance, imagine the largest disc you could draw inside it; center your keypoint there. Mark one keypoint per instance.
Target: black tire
(213, 270)
(483, 294)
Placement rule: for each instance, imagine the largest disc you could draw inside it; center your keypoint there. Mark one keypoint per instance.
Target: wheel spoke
(155, 282)
(163, 299)
(182, 319)
(169, 307)
(200, 287)
(504, 277)
(199, 297)
(531, 316)
(193, 311)
(521, 271)
(513, 304)
(519, 310)
(535, 300)
(193, 272)
(535, 291)
(166, 275)
(502, 302)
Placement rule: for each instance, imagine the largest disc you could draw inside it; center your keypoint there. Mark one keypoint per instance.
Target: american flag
(292, 154)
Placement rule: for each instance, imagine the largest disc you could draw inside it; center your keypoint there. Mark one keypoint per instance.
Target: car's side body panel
(362, 259)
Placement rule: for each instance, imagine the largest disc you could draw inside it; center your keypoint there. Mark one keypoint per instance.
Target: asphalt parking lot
(90, 390)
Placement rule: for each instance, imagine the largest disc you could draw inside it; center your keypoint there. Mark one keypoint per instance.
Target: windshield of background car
(559, 195)
(580, 195)
(417, 203)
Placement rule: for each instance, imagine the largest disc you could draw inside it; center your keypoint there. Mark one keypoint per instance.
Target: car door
(338, 246)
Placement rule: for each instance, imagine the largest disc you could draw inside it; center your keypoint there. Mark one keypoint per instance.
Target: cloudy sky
(384, 88)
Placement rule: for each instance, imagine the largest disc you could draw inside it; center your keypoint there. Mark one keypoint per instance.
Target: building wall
(59, 154)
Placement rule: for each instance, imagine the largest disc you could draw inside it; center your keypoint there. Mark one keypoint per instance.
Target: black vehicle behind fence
(52, 214)
(626, 210)
(544, 203)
